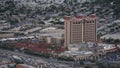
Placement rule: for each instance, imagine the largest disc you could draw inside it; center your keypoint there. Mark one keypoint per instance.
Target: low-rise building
(57, 41)
(54, 39)
(24, 66)
(79, 55)
(88, 51)
(112, 36)
(6, 34)
(7, 65)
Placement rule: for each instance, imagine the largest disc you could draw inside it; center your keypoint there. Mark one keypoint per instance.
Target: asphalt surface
(37, 61)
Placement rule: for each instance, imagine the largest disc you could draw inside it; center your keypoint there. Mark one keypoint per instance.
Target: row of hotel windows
(87, 25)
(88, 36)
(84, 22)
(80, 29)
(76, 36)
(76, 40)
(85, 30)
(89, 31)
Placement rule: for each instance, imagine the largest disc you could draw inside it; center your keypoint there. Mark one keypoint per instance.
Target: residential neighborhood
(59, 33)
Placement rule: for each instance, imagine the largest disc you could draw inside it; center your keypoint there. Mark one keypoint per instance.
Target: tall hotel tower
(80, 29)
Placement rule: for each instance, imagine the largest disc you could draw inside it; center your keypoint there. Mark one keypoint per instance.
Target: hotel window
(76, 22)
(73, 22)
(90, 21)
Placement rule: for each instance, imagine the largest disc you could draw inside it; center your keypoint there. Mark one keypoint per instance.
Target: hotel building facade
(80, 29)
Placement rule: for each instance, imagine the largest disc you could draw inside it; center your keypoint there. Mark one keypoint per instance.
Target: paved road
(34, 61)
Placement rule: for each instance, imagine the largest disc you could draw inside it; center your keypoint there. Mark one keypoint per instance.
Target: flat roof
(5, 39)
(77, 53)
(52, 34)
(88, 44)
